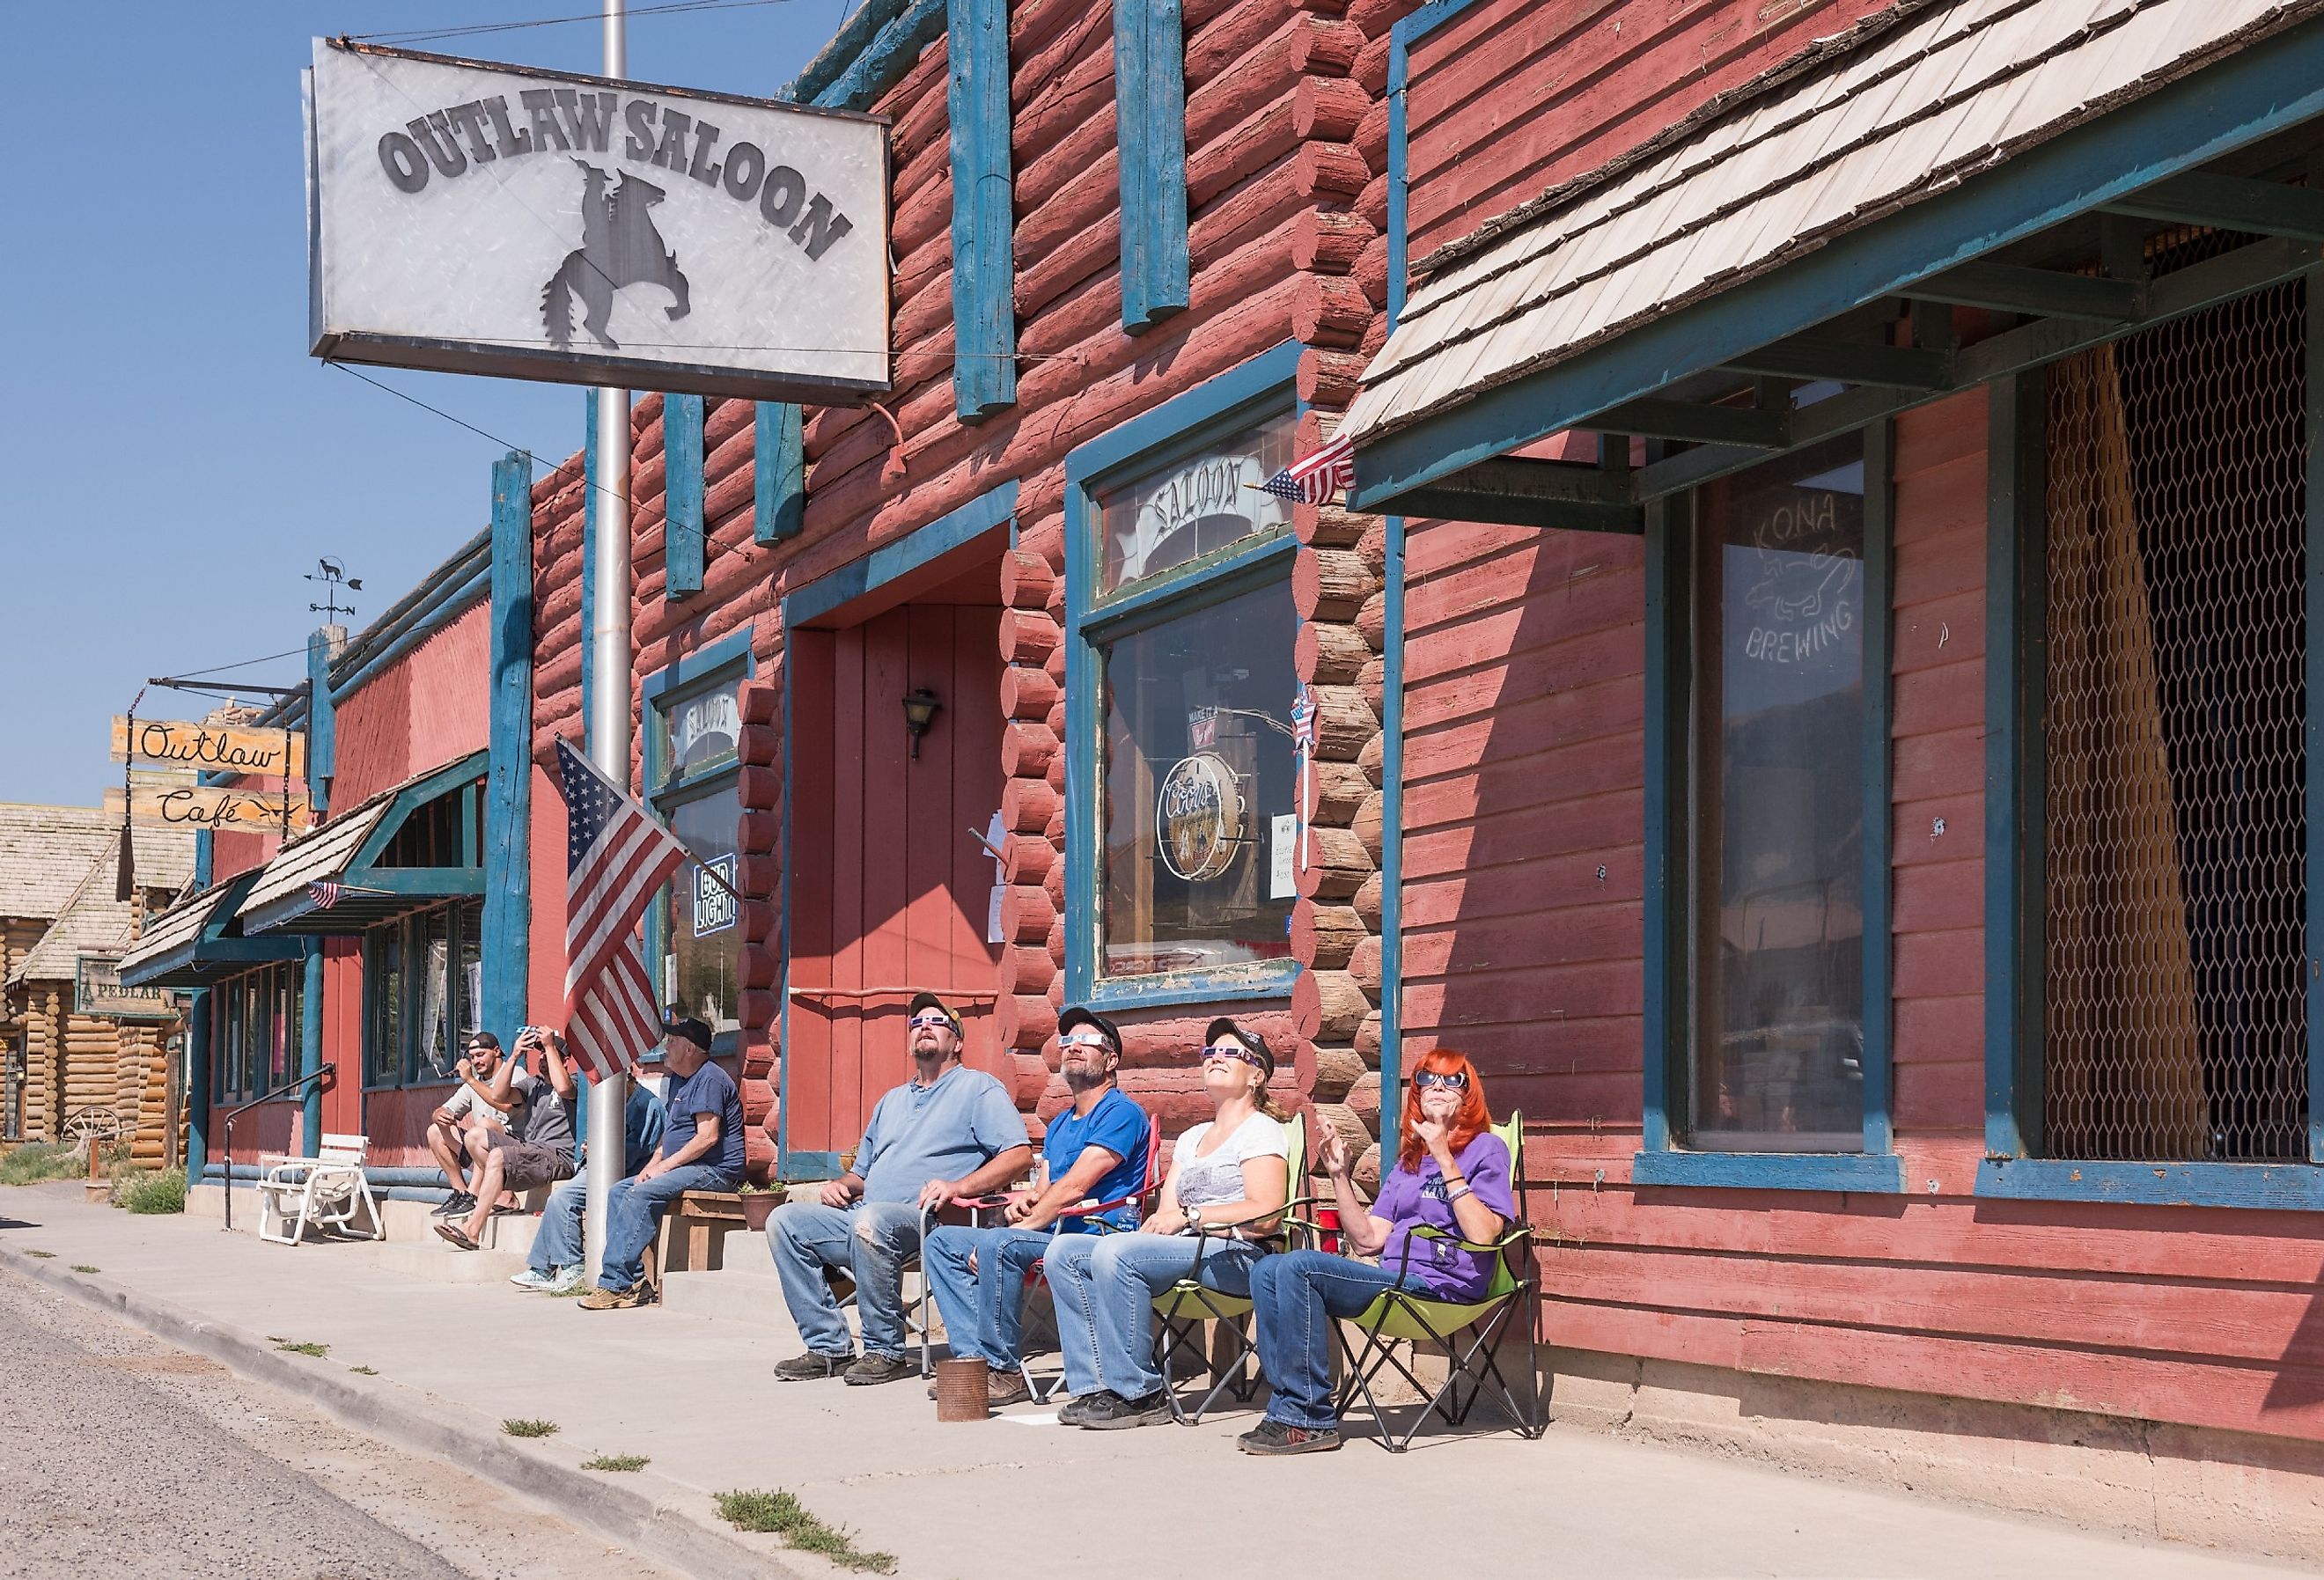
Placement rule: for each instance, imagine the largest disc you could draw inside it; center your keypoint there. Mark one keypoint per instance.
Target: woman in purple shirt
(1453, 1174)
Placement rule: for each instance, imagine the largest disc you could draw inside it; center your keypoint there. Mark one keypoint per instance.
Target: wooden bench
(692, 1234)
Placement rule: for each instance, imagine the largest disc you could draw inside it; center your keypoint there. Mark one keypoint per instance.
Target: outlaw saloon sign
(494, 220)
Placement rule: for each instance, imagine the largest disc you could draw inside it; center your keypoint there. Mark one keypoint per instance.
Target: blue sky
(175, 461)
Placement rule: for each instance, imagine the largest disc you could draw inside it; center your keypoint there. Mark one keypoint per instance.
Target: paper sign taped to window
(1282, 848)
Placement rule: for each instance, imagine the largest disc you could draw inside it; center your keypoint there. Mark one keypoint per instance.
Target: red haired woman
(1452, 1173)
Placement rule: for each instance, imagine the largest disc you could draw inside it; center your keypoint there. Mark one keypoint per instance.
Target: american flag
(1316, 479)
(327, 893)
(616, 856)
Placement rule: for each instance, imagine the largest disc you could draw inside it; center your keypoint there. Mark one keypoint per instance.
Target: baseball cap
(1078, 1016)
(696, 1031)
(928, 1001)
(1225, 1026)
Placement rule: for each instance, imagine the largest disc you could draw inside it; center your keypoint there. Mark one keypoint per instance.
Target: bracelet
(1457, 1192)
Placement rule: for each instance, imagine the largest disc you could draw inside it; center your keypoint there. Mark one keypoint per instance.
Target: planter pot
(758, 1206)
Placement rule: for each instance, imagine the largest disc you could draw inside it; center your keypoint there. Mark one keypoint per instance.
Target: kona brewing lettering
(1801, 590)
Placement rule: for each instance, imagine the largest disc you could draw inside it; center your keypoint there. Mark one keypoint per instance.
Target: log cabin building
(1914, 890)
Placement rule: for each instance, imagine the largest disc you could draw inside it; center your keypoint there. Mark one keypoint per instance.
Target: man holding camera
(535, 1147)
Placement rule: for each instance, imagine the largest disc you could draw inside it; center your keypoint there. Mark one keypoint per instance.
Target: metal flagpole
(609, 722)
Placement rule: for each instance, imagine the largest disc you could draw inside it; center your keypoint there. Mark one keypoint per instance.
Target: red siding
(428, 708)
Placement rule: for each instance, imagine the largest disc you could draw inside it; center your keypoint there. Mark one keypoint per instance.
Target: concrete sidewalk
(1018, 1496)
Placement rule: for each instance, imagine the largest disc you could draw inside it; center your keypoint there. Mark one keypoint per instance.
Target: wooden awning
(1713, 288)
(199, 939)
(353, 874)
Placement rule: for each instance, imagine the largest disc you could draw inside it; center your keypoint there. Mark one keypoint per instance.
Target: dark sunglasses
(1452, 1079)
(1233, 1050)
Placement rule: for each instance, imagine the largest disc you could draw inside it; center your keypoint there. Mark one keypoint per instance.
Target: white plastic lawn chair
(329, 1189)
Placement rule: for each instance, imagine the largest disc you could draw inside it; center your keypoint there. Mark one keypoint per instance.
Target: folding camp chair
(1465, 1330)
(1037, 1274)
(1186, 1305)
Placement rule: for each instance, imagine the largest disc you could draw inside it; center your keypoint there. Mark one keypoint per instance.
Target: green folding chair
(1186, 1305)
(1465, 1330)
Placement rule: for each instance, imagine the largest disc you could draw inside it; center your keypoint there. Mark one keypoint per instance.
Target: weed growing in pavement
(30, 1164)
(82, 1267)
(528, 1426)
(782, 1514)
(616, 1462)
(150, 1191)
(43, 1255)
(316, 1350)
(364, 1371)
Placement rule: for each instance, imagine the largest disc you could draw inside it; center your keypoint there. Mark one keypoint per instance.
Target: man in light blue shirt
(1094, 1158)
(949, 1132)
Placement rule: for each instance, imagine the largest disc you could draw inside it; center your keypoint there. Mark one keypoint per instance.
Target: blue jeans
(1105, 1286)
(558, 1243)
(870, 1239)
(632, 1208)
(1296, 1297)
(983, 1308)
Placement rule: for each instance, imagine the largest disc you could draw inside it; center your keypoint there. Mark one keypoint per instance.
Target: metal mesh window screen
(2175, 758)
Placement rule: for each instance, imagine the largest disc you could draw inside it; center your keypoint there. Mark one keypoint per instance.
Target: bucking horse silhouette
(619, 247)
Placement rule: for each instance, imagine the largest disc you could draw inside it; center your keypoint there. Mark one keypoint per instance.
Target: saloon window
(1191, 632)
(694, 763)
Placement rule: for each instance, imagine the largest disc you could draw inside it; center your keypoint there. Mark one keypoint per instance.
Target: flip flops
(457, 1236)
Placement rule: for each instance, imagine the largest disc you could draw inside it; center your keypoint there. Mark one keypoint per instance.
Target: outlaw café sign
(209, 748)
(495, 219)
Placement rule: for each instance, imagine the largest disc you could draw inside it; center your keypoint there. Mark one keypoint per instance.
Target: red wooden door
(889, 890)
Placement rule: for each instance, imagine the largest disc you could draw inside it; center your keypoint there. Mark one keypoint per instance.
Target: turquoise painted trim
(322, 720)
(311, 1048)
(681, 448)
(1272, 980)
(1669, 976)
(2227, 105)
(507, 942)
(458, 600)
(894, 49)
(1880, 821)
(856, 35)
(2277, 1187)
(475, 765)
(420, 614)
(1852, 1171)
(778, 473)
(1267, 382)
(991, 509)
(984, 216)
(1149, 75)
(802, 1167)
(2015, 600)
(690, 670)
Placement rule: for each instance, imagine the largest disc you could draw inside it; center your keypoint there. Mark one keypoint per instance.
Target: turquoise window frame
(407, 1052)
(2014, 872)
(1662, 1159)
(719, 663)
(1180, 427)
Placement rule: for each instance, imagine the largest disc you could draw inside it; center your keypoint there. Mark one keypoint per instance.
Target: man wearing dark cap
(948, 1132)
(1094, 1154)
(702, 1149)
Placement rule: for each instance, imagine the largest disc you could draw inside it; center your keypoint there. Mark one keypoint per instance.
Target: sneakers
(604, 1300)
(875, 1368)
(813, 1367)
(458, 1205)
(567, 1280)
(1006, 1387)
(534, 1278)
(1273, 1436)
(1070, 1413)
(1110, 1412)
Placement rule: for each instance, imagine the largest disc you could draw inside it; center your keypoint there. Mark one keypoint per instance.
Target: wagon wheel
(90, 1126)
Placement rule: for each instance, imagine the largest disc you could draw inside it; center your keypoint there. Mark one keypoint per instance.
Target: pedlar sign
(495, 219)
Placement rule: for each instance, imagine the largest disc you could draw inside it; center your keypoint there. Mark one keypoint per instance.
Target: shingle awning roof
(294, 891)
(1879, 163)
(196, 941)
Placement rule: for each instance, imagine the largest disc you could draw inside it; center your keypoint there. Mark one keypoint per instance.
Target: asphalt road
(121, 1456)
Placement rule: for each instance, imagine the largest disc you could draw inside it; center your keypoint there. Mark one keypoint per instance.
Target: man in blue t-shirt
(948, 1132)
(702, 1149)
(1096, 1156)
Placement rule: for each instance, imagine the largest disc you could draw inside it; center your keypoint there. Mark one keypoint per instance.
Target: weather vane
(336, 580)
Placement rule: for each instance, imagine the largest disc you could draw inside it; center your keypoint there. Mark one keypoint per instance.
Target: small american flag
(616, 856)
(327, 893)
(1316, 479)
(1303, 720)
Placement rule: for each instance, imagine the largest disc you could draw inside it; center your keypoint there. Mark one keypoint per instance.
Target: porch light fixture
(919, 711)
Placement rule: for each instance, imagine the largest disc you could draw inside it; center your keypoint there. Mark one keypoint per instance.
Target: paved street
(128, 1458)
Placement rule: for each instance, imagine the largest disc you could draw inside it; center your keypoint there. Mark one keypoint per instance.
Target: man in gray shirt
(536, 1148)
(949, 1132)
